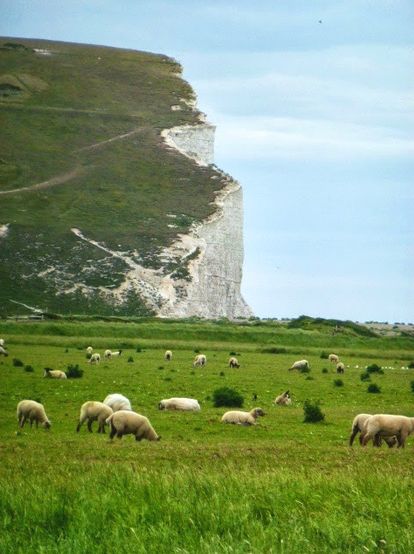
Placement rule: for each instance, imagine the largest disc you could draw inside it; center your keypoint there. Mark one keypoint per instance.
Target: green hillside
(59, 103)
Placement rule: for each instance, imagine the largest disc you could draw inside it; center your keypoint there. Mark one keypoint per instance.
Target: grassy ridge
(281, 486)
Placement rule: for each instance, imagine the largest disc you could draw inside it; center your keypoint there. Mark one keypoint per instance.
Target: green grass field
(282, 486)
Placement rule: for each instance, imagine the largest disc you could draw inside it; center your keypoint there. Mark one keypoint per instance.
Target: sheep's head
(47, 424)
(256, 412)
(161, 406)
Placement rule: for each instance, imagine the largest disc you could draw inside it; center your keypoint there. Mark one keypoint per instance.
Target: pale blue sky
(314, 119)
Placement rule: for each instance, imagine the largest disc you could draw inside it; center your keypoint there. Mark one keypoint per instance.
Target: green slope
(53, 108)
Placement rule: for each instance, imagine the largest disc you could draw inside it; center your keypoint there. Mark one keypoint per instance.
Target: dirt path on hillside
(58, 180)
(113, 139)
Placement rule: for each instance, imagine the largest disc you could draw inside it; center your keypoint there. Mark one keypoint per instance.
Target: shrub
(17, 362)
(232, 354)
(274, 350)
(324, 355)
(305, 369)
(373, 388)
(226, 396)
(338, 383)
(324, 370)
(412, 386)
(308, 378)
(88, 355)
(312, 412)
(138, 348)
(130, 360)
(28, 368)
(74, 372)
(222, 374)
(411, 365)
(365, 376)
(374, 368)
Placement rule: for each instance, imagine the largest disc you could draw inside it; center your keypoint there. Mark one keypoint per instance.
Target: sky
(314, 108)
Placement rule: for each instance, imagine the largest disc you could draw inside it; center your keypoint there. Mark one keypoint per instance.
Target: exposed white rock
(194, 141)
(4, 230)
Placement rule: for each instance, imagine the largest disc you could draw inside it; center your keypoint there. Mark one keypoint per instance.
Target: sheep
(89, 350)
(118, 402)
(242, 418)
(233, 362)
(340, 367)
(116, 353)
(54, 374)
(95, 358)
(91, 411)
(301, 365)
(107, 354)
(358, 426)
(3, 352)
(333, 358)
(200, 360)
(126, 422)
(183, 404)
(168, 355)
(2, 342)
(283, 399)
(32, 411)
(385, 425)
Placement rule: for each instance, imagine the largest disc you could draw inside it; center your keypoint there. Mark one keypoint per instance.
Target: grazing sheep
(32, 411)
(301, 365)
(3, 352)
(333, 358)
(184, 404)
(233, 362)
(118, 402)
(242, 418)
(92, 411)
(89, 350)
(200, 360)
(107, 354)
(116, 353)
(340, 367)
(385, 425)
(95, 358)
(283, 399)
(54, 374)
(129, 423)
(168, 355)
(358, 426)
(2, 342)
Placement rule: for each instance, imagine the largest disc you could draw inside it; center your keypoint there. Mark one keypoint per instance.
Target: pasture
(281, 486)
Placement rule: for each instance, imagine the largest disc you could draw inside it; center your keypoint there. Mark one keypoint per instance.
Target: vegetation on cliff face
(59, 103)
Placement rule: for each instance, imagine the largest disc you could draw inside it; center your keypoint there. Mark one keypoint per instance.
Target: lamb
(2, 342)
(333, 358)
(340, 367)
(301, 365)
(126, 422)
(89, 350)
(32, 411)
(233, 362)
(358, 426)
(168, 355)
(91, 411)
(183, 404)
(118, 402)
(385, 425)
(107, 354)
(95, 358)
(54, 374)
(3, 352)
(200, 360)
(116, 353)
(283, 399)
(242, 418)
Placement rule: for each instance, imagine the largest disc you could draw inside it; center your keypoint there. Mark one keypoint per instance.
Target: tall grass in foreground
(125, 509)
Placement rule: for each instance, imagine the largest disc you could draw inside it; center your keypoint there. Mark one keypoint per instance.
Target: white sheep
(200, 360)
(233, 362)
(242, 418)
(117, 402)
(385, 425)
(95, 358)
(32, 411)
(54, 373)
(116, 353)
(340, 367)
(168, 355)
(283, 399)
(94, 411)
(2, 342)
(107, 354)
(3, 352)
(301, 365)
(89, 350)
(333, 358)
(183, 404)
(358, 426)
(126, 422)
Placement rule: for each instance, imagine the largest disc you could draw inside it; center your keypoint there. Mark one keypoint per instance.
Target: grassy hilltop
(282, 486)
(59, 103)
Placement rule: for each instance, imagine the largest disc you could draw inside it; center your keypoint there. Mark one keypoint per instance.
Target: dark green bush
(222, 374)
(411, 365)
(226, 396)
(312, 412)
(365, 376)
(138, 348)
(28, 368)
(374, 368)
(324, 370)
(17, 362)
(412, 386)
(130, 360)
(324, 355)
(373, 388)
(338, 383)
(274, 350)
(74, 372)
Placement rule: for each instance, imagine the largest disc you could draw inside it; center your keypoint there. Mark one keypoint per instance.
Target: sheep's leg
(401, 437)
(113, 432)
(22, 420)
(365, 439)
(89, 425)
(138, 438)
(79, 425)
(377, 441)
(353, 435)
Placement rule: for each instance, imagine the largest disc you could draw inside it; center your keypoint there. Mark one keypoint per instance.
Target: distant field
(282, 486)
